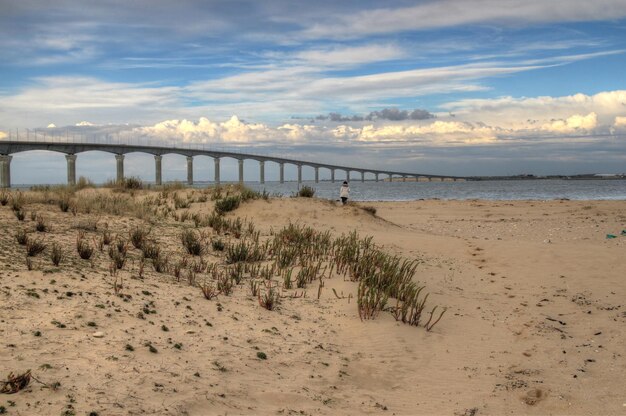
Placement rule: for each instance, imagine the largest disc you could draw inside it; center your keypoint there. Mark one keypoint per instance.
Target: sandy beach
(534, 292)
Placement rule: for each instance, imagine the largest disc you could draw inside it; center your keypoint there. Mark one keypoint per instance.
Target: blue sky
(501, 87)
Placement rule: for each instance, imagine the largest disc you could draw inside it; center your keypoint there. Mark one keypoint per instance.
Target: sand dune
(535, 320)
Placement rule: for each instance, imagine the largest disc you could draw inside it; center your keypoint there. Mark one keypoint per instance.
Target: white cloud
(231, 131)
(51, 126)
(528, 112)
(446, 13)
(575, 123)
(85, 124)
(235, 131)
(351, 55)
(620, 121)
(3, 135)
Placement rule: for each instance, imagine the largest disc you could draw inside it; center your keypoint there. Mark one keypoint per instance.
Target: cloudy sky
(459, 87)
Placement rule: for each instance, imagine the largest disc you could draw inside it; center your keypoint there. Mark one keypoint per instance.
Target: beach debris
(623, 232)
(15, 383)
(98, 334)
(609, 236)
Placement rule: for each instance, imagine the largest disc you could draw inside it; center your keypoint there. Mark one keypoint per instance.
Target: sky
(458, 87)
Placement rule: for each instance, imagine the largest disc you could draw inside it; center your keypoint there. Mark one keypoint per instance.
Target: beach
(534, 322)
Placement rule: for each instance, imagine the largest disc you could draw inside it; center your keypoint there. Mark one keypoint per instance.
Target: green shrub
(192, 242)
(132, 183)
(306, 192)
(227, 204)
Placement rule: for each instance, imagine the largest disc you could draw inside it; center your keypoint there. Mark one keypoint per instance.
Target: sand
(535, 320)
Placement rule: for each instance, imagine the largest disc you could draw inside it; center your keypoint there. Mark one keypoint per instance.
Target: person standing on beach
(344, 192)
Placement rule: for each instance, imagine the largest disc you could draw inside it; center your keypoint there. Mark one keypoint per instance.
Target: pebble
(98, 334)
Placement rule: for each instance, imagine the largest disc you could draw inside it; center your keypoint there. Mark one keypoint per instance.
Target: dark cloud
(392, 114)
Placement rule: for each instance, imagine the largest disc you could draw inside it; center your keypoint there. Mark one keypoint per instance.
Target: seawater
(544, 189)
(494, 190)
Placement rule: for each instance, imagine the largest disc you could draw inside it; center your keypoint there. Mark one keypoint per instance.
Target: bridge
(71, 149)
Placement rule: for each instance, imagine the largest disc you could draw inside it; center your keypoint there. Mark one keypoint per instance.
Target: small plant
(209, 290)
(270, 298)
(261, 355)
(118, 257)
(22, 237)
(254, 288)
(161, 263)
(192, 242)
(150, 250)
(107, 238)
(218, 244)
(132, 183)
(19, 214)
(4, 197)
(56, 254)
(118, 286)
(34, 247)
(17, 202)
(287, 283)
(129, 348)
(64, 203)
(306, 192)
(41, 225)
(428, 325)
(227, 204)
(85, 250)
(225, 284)
(137, 236)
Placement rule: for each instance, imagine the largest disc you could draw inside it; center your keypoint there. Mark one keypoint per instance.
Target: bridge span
(72, 149)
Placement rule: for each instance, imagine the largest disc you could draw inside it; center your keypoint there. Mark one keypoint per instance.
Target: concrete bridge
(72, 149)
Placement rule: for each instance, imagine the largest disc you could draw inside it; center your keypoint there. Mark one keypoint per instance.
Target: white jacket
(344, 192)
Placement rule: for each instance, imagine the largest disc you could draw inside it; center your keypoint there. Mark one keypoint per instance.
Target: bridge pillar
(376, 177)
(299, 174)
(347, 175)
(332, 175)
(362, 176)
(282, 172)
(189, 170)
(390, 177)
(216, 162)
(5, 171)
(262, 172)
(157, 169)
(403, 178)
(71, 169)
(317, 175)
(241, 171)
(120, 167)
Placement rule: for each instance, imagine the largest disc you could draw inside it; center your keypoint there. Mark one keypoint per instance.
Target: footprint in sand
(534, 396)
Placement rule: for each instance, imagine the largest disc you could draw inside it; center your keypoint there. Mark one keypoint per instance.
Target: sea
(547, 189)
(542, 189)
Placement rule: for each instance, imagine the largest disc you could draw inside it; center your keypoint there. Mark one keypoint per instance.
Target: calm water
(495, 190)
